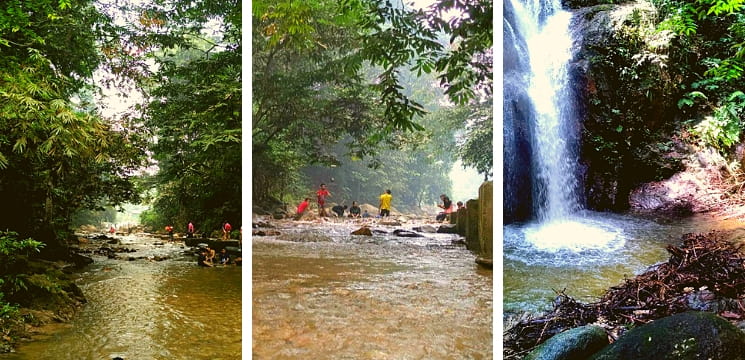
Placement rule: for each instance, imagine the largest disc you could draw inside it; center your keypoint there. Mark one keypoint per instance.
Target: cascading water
(541, 137)
(541, 44)
(540, 32)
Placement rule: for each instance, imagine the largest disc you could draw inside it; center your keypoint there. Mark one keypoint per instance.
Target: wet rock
(158, 244)
(362, 231)
(79, 260)
(263, 224)
(458, 242)
(447, 229)
(702, 300)
(389, 222)
(577, 343)
(406, 233)
(379, 232)
(425, 229)
(485, 262)
(113, 241)
(690, 335)
(266, 233)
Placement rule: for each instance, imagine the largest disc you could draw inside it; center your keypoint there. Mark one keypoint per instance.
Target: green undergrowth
(32, 291)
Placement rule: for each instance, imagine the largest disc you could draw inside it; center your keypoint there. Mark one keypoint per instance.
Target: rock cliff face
(625, 96)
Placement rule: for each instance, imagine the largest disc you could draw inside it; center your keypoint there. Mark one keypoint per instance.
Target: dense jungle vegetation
(667, 81)
(367, 96)
(65, 157)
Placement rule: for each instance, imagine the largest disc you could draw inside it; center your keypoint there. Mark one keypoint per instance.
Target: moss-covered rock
(690, 335)
(624, 86)
(575, 344)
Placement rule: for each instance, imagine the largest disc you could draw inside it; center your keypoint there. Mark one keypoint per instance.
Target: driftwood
(705, 268)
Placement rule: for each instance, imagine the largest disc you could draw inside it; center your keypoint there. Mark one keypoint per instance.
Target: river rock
(577, 343)
(406, 233)
(389, 222)
(485, 262)
(690, 335)
(447, 229)
(425, 229)
(362, 231)
(265, 233)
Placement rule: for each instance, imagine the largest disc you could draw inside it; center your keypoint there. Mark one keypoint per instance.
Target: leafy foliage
(715, 30)
(56, 155)
(11, 280)
(722, 129)
(477, 149)
(328, 74)
(195, 116)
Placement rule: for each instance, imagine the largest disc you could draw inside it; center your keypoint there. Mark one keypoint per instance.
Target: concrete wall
(476, 222)
(486, 221)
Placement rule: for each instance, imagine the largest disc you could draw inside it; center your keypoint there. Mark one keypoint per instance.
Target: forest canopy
(351, 90)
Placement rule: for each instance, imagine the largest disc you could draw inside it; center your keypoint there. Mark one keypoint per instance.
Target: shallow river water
(587, 254)
(143, 309)
(320, 293)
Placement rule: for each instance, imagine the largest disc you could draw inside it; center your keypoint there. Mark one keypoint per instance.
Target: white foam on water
(575, 236)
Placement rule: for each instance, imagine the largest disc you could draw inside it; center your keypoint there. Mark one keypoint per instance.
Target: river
(144, 309)
(320, 293)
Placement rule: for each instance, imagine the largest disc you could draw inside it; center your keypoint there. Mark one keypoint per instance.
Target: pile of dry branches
(706, 273)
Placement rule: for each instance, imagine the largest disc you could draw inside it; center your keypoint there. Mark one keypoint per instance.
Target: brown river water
(143, 309)
(320, 293)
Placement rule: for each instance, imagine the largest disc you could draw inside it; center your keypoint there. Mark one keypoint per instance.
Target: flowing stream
(143, 309)
(320, 293)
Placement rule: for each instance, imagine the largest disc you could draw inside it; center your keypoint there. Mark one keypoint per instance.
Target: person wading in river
(301, 208)
(385, 203)
(321, 195)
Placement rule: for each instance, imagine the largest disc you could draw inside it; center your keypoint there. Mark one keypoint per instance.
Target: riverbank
(704, 273)
(45, 294)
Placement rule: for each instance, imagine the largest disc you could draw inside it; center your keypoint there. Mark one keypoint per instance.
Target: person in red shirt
(322, 193)
(190, 230)
(301, 208)
(226, 228)
(169, 230)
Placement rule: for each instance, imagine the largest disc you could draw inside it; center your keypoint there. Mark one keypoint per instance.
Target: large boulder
(577, 343)
(689, 335)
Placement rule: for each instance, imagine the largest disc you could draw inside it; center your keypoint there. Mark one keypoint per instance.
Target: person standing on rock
(169, 230)
(385, 203)
(321, 194)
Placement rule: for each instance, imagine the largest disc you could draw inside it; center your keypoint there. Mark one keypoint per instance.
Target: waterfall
(540, 127)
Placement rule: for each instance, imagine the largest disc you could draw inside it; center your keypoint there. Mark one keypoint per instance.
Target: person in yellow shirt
(385, 203)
